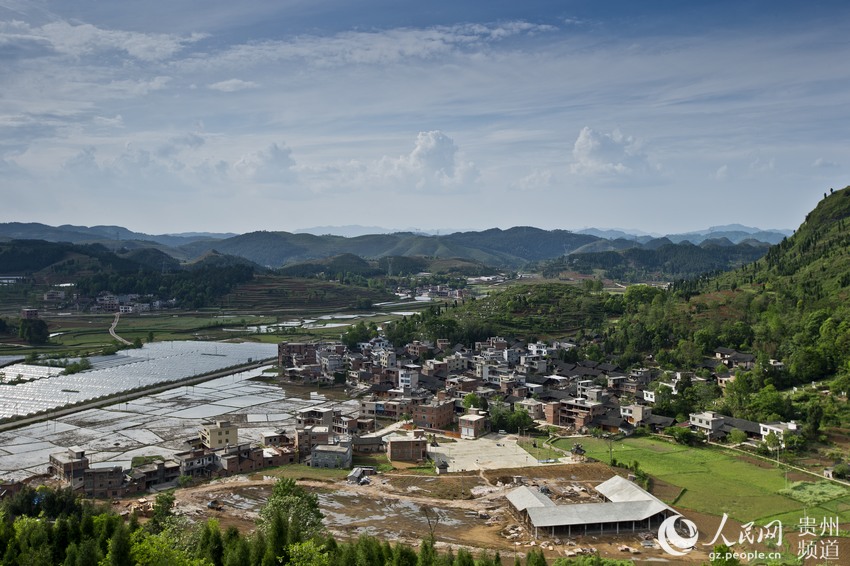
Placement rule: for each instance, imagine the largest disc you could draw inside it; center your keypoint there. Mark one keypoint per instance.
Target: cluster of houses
(105, 302)
(127, 304)
(216, 452)
(394, 383)
(426, 384)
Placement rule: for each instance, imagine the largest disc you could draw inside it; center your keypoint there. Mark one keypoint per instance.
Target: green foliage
(685, 435)
(519, 310)
(192, 289)
(76, 367)
(737, 436)
(473, 400)
(291, 505)
(162, 512)
(34, 331)
(358, 333)
(814, 493)
(664, 263)
(724, 556)
(502, 418)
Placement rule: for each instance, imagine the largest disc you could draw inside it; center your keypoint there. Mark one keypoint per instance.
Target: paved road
(114, 335)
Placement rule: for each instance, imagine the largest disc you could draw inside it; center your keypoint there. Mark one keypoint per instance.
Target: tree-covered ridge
(495, 247)
(666, 262)
(21, 257)
(524, 311)
(192, 289)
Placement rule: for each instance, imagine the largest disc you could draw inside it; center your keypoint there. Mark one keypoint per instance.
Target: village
(454, 409)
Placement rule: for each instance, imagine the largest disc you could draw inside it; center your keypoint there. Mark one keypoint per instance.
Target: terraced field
(282, 295)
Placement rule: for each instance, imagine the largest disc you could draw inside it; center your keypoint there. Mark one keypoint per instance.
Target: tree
(472, 400)
(299, 507)
(814, 415)
(33, 542)
(119, 547)
(34, 331)
(684, 435)
(737, 436)
(772, 442)
(536, 558)
(519, 419)
(159, 549)
(211, 546)
(162, 512)
(307, 553)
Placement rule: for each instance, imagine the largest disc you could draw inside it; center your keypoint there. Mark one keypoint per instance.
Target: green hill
(792, 303)
(660, 260)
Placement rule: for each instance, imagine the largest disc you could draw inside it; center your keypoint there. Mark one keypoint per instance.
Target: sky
(222, 116)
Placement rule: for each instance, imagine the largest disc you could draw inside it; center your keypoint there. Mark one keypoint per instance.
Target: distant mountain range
(512, 248)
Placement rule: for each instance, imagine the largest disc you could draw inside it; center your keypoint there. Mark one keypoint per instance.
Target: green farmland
(714, 481)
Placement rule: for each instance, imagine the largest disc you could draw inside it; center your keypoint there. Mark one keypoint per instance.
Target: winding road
(112, 331)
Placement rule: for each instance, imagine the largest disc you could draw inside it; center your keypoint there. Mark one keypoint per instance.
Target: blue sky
(257, 115)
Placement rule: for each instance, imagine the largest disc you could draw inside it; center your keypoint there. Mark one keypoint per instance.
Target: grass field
(714, 481)
(302, 472)
(539, 452)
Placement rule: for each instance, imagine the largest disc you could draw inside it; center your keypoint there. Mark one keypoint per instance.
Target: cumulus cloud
(434, 164)
(271, 165)
(822, 163)
(759, 165)
(83, 161)
(537, 179)
(233, 85)
(10, 168)
(597, 154)
(179, 143)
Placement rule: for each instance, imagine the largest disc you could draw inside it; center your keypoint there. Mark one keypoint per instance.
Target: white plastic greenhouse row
(158, 363)
(28, 372)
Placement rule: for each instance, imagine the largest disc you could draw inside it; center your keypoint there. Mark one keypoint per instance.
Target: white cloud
(537, 179)
(233, 85)
(115, 122)
(722, 173)
(822, 163)
(176, 144)
(759, 165)
(369, 48)
(137, 87)
(612, 154)
(83, 161)
(434, 164)
(86, 39)
(271, 165)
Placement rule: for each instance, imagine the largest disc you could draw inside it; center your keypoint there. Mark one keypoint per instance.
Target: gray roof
(627, 502)
(618, 489)
(523, 498)
(590, 513)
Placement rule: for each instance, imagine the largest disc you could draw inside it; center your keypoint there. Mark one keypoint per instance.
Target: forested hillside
(660, 260)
